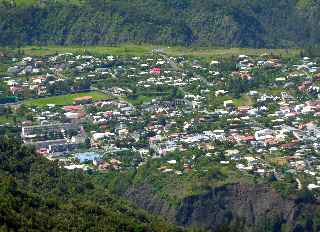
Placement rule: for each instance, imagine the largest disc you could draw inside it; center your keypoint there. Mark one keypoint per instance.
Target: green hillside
(37, 195)
(245, 23)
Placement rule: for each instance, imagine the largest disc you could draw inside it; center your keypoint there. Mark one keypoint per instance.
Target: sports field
(65, 99)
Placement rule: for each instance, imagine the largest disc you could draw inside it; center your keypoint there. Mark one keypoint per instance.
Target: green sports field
(65, 99)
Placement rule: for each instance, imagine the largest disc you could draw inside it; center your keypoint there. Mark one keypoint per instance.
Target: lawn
(244, 100)
(4, 120)
(274, 91)
(65, 99)
(3, 69)
(207, 53)
(218, 52)
(140, 100)
(124, 49)
(34, 2)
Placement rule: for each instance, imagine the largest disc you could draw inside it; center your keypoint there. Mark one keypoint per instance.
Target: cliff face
(143, 197)
(253, 206)
(233, 207)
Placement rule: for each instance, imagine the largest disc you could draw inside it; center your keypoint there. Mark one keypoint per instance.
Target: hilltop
(284, 23)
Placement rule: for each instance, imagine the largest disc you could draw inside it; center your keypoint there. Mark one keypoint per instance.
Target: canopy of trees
(247, 23)
(38, 195)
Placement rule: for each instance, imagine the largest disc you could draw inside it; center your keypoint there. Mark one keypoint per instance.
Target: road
(299, 184)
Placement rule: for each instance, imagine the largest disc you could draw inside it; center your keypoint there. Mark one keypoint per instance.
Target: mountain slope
(37, 195)
(232, 207)
(220, 200)
(248, 23)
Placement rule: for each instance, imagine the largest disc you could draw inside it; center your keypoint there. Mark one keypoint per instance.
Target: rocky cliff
(236, 207)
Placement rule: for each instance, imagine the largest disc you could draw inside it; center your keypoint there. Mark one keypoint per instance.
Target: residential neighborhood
(257, 115)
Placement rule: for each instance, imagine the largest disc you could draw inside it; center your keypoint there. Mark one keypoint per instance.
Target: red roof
(244, 108)
(42, 151)
(27, 123)
(108, 114)
(288, 145)
(156, 70)
(72, 108)
(248, 138)
(84, 98)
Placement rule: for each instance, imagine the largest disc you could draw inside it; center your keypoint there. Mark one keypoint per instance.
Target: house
(75, 115)
(220, 93)
(312, 186)
(83, 100)
(228, 103)
(244, 109)
(43, 151)
(103, 166)
(155, 70)
(100, 136)
(72, 108)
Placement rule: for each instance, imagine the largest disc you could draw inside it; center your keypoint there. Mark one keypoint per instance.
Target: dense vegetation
(37, 195)
(248, 23)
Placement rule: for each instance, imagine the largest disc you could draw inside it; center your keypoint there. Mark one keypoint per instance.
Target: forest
(241, 23)
(37, 195)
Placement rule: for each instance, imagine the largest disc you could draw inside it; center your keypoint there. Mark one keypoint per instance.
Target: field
(3, 68)
(65, 99)
(273, 91)
(4, 119)
(139, 50)
(228, 52)
(140, 100)
(33, 2)
(244, 100)
(125, 49)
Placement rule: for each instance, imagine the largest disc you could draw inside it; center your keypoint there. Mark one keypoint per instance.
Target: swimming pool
(87, 156)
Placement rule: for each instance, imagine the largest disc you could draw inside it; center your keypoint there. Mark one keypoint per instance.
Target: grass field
(65, 99)
(4, 119)
(273, 91)
(140, 100)
(139, 50)
(125, 49)
(244, 100)
(214, 53)
(33, 2)
(3, 68)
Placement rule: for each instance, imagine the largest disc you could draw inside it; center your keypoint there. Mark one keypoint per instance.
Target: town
(256, 115)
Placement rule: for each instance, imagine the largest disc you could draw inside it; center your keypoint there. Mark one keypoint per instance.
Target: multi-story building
(31, 132)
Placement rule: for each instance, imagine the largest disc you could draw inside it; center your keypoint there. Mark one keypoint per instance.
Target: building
(46, 144)
(32, 132)
(63, 147)
(83, 100)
